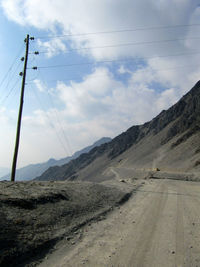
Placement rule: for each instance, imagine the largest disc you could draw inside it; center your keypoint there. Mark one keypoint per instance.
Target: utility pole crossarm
(13, 171)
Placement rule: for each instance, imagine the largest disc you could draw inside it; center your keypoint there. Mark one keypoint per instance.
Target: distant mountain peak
(51, 160)
(31, 171)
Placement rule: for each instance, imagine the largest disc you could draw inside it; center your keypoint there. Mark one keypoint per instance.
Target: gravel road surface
(158, 226)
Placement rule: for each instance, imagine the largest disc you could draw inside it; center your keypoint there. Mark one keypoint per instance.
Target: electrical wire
(10, 68)
(126, 44)
(119, 31)
(57, 117)
(14, 93)
(175, 68)
(144, 58)
(59, 122)
(113, 61)
(9, 93)
(33, 62)
(12, 75)
(72, 78)
(50, 121)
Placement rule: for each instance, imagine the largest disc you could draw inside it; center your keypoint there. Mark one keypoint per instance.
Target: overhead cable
(57, 117)
(113, 61)
(119, 31)
(10, 68)
(50, 121)
(127, 44)
(10, 91)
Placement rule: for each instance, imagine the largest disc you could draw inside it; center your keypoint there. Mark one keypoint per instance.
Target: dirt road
(158, 226)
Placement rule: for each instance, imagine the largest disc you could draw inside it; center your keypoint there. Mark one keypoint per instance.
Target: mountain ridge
(168, 130)
(31, 171)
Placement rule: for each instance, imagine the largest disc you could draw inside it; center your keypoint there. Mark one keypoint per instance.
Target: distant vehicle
(156, 169)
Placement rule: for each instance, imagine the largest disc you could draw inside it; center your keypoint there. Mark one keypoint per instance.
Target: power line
(174, 68)
(100, 75)
(114, 60)
(13, 87)
(59, 122)
(74, 77)
(126, 44)
(130, 59)
(50, 121)
(58, 119)
(10, 68)
(11, 76)
(119, 31)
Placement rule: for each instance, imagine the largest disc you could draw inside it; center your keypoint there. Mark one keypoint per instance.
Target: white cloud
(134, 103)
(7, 117)
(53, 47)
(14, 10)
(90, 112)
(3, 117)
(86, 99)
(39, 119)
(40, 86)
(106, 100)
(91, 109)
(102, 105)
(167, 98)
(7, 136)
(123, 70)
(74, 17)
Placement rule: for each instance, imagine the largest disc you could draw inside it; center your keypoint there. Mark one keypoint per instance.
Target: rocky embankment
(34, 216)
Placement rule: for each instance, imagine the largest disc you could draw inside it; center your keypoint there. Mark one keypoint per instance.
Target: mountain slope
(33, 170)
(171, 140)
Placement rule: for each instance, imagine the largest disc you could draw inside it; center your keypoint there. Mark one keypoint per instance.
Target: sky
(103, 66)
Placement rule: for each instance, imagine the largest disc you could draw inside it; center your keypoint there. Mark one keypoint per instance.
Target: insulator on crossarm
(32, 38)
(36, 52)
(34, 68)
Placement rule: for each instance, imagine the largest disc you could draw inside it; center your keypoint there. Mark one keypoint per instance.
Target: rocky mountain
(33, 170)
(170, 141)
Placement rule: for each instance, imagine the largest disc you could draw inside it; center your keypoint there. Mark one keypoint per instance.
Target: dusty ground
(158, 226)
(87, 224)
(34, 216)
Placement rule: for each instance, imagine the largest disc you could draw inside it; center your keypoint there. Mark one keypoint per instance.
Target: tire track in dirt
(191, 219)
(150, 223)
(179, 229)
(115, 173)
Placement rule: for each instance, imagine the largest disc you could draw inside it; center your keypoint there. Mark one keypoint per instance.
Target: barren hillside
(170, 141)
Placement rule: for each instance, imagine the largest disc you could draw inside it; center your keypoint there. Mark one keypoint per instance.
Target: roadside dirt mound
(34, 216)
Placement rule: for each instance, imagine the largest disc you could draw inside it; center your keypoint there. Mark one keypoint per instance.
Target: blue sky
(103, 67)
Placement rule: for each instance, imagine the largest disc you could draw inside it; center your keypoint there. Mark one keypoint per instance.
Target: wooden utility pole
(20, 112)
